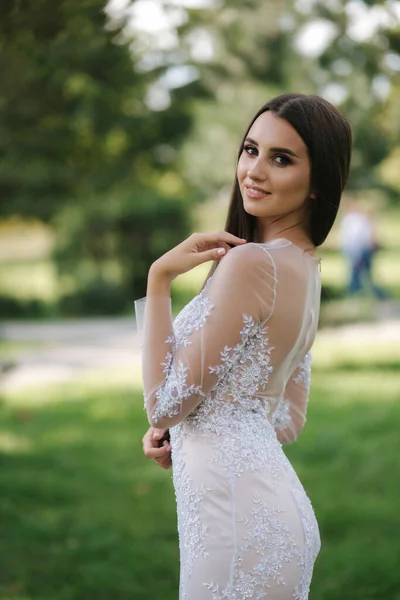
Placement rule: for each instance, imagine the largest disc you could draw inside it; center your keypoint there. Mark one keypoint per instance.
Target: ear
(312, 196)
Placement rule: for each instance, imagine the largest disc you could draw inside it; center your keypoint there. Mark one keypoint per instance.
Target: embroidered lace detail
(197, 310)
(170, 396)
(267, 537)
(242, 440)
(312, 541)
(225, 449)
(175, 391)
(192, 530)
(281, 417)
(251, 358)
(304, 374)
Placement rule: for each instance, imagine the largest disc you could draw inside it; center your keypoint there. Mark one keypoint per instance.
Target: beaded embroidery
(236, 422)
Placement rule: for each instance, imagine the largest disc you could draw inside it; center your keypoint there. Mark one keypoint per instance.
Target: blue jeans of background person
(361, 275)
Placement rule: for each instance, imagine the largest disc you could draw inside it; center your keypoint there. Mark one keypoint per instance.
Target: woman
(230, 376)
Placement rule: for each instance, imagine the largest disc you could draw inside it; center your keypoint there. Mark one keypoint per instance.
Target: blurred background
(119, 128)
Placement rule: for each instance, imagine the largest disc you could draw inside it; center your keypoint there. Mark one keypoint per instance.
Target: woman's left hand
(195, 250)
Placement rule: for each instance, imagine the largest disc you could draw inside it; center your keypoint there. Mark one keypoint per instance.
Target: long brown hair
(327, 136)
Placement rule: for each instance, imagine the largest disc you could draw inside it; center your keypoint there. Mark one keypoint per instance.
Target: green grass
(84, 516)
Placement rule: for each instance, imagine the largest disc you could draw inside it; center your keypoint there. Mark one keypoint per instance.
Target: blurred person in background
(359, 244)
(227, 382)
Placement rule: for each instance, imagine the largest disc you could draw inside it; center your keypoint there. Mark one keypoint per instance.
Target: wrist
(158, 282)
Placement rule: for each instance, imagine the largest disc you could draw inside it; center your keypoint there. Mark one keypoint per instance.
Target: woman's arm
(177, 377)
(290, 416)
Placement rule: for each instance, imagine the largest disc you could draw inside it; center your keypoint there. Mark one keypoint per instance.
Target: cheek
(242, 168)
(291, 180)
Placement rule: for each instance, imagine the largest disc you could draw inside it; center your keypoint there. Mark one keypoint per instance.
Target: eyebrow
(275, 148)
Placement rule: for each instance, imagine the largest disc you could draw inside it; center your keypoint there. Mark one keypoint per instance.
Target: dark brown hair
(327, 136)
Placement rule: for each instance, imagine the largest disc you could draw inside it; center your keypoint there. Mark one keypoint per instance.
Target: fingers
(150, 443)
(151, 452)
(224, 236)
(214, 254)
(152, 436)
(158, 433)
(223, 240)
(164, 463)
(217, 237)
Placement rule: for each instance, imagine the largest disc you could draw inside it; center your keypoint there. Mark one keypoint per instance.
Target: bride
(226, 382)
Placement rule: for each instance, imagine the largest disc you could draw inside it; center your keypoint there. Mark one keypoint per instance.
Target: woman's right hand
(192, 252)
(162, 456)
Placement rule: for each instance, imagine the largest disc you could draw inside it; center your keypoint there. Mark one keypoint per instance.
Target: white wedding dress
(230, 378)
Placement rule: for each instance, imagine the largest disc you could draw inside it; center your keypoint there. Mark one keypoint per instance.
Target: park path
(62, 351)
(41, 354)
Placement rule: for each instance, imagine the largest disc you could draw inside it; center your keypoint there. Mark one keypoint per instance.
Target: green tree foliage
(262, 48)
(79, 145)
(112, 133)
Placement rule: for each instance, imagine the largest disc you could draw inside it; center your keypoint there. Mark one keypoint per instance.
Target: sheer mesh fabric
(245, 286)
(230, 376)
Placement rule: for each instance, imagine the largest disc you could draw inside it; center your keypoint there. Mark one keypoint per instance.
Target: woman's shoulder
(254, 255)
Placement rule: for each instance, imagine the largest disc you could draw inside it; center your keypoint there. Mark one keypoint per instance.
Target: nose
(258, 170)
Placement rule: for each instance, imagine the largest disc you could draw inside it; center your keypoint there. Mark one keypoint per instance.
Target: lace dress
(230, 378)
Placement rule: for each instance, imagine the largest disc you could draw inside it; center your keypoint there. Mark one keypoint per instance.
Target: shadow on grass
(86, 517)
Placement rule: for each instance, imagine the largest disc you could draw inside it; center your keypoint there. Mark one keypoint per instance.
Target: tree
(80, 147)
(245, 52)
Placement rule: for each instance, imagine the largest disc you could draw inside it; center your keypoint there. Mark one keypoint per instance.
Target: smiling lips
(255, 192)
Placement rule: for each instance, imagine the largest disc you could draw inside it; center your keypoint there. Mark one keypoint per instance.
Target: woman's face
(274, 169)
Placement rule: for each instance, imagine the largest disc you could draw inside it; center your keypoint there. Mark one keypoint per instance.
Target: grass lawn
(84, 516)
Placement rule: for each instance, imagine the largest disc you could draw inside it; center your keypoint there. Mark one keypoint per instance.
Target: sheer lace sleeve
(290, 416)
(179, 371)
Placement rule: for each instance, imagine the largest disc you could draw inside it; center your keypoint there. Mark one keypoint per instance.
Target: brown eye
(282, 160)
(252, 150)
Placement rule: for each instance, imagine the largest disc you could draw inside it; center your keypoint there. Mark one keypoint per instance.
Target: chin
(255, 211)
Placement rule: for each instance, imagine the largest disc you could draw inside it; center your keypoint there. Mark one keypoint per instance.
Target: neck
(291, 227)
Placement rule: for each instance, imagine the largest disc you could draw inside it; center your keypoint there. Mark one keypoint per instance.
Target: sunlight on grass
(82, 498)
(354, 387)
(13, 444)
(93, 382)
(331, 351)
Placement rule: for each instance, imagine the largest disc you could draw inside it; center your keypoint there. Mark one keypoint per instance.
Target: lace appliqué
(234, 425)
(251, 361)
(281, 417)
(198, 309)
(175, 391)
(192, 530)
(267, 537)
(312, 541)
(304, 371)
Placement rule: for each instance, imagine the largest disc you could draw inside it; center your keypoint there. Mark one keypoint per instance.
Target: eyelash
(286, 159)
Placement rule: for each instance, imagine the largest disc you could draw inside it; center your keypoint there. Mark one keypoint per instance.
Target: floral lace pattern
(246, 527)
(267, 537)
(170, 396)
(304, 374)
(197, 310)
(281, 415)
(312, 541)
